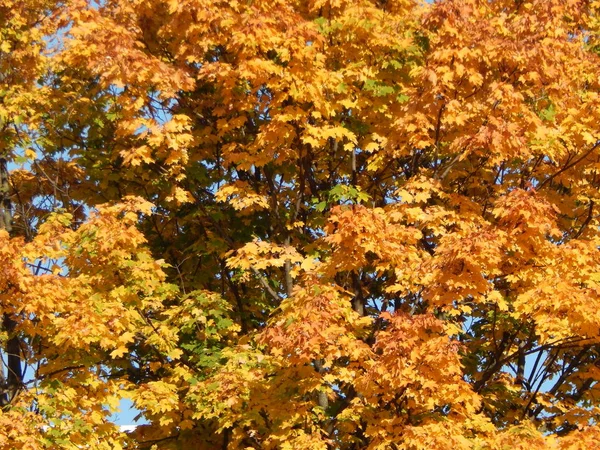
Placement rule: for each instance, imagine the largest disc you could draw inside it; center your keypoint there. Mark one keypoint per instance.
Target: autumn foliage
(300, 224)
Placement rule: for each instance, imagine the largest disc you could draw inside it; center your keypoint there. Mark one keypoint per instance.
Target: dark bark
(12, 380)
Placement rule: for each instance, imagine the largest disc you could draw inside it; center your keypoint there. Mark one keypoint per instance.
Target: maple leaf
(300, 224)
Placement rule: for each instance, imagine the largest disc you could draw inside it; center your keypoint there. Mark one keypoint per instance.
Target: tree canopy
(300, 224)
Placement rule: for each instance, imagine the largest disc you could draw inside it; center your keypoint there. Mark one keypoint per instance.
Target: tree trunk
(11, 380)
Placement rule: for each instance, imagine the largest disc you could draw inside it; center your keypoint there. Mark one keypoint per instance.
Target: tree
(301, 224)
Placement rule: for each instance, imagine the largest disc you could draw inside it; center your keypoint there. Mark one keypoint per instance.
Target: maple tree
(322, 224)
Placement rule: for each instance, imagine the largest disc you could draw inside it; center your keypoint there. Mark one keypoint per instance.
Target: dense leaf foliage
(300, 224)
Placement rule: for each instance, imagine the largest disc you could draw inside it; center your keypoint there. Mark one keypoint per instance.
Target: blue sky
(127, 415)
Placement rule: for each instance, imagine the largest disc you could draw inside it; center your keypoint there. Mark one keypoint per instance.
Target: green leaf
(401, 98)
(320, 207)
(548, 113)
